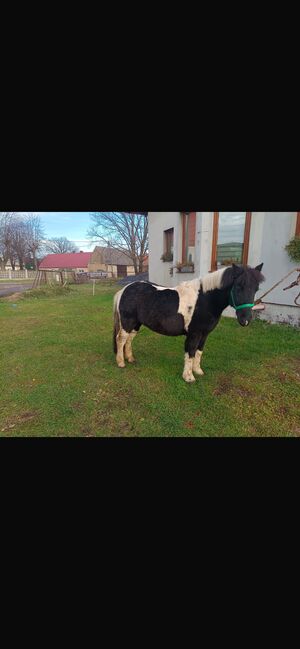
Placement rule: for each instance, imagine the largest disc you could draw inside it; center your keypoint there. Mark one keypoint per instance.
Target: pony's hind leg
(128, 347)
(122, 338)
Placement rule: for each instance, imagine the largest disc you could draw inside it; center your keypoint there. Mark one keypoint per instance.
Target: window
(231, 234)
(168, 245)
(188, 237)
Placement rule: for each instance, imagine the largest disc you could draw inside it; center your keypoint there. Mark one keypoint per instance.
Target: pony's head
(243, 283)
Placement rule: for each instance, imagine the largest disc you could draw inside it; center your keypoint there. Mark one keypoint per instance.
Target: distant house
(75, 261)
(113, 262)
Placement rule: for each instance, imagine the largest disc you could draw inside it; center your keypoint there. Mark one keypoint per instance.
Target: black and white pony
(192, 309)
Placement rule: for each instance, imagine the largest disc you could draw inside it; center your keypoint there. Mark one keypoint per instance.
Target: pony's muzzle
(244, 319)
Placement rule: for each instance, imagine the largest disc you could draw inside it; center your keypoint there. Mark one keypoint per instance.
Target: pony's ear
(259, 268)
(237, 270)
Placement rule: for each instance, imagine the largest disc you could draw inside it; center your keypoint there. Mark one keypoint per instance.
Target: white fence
(17, 274)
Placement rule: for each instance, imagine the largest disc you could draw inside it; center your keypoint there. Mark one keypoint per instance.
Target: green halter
(242, 306)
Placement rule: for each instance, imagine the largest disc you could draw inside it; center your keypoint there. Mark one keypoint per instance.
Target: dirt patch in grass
(13, 298)
(227, 384)
(287, 370)
(13, 423)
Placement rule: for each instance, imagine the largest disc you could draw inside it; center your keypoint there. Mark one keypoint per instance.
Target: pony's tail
(117, 324)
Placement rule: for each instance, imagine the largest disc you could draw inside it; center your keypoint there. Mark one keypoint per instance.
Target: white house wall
(159, 271)
(278, 229)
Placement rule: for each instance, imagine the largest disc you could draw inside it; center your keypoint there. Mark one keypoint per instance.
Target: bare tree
(19, 240)
(6, 237)
(123, 231)
(60, 245)
(34, 233)
(21, 235)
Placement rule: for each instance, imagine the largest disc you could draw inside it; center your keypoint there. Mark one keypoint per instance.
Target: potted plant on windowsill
(293, 249)
(167, 256)
(185, 267)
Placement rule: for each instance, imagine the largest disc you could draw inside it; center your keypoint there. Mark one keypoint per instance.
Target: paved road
(9, 288)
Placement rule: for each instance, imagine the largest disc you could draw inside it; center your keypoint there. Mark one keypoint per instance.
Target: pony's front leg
(191, 346)
(198, 356)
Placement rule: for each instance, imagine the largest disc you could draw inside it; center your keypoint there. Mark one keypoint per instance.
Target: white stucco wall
(276, 231)
(159, 271)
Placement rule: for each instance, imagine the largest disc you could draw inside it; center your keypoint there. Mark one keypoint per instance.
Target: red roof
(67, 260)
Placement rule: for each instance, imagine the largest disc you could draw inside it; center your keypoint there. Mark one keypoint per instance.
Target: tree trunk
(141, 266)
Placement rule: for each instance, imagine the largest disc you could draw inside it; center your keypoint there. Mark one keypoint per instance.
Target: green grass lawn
(59, 376)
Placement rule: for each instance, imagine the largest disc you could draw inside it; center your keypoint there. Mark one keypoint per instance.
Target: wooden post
(298, 225)
(214, 264)
(247, 237)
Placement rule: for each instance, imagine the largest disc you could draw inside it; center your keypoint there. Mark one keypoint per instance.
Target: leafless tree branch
(124, 232)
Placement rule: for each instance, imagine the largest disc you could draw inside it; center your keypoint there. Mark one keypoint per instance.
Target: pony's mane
(217, 279)
(212, 280)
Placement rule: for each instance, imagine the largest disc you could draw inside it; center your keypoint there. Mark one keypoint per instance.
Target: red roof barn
(72, 260)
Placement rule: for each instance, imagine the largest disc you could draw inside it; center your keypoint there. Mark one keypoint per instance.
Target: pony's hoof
(121, 365)
(189, 378)
(198, 372)
(131, 360)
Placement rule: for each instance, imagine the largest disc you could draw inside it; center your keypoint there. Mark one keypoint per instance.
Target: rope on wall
(296, 283)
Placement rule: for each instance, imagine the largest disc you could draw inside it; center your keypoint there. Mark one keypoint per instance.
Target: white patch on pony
(212, 280)
(128, 347)
(162, 288)
(188, 296)
(197, 363)
(188, 376)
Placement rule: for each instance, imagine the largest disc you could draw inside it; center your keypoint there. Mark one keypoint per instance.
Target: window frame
(246, 242)
(169, 241)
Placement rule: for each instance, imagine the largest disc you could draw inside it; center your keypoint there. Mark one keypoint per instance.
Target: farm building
(75, 261)
(185, 245)
(113, 262)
